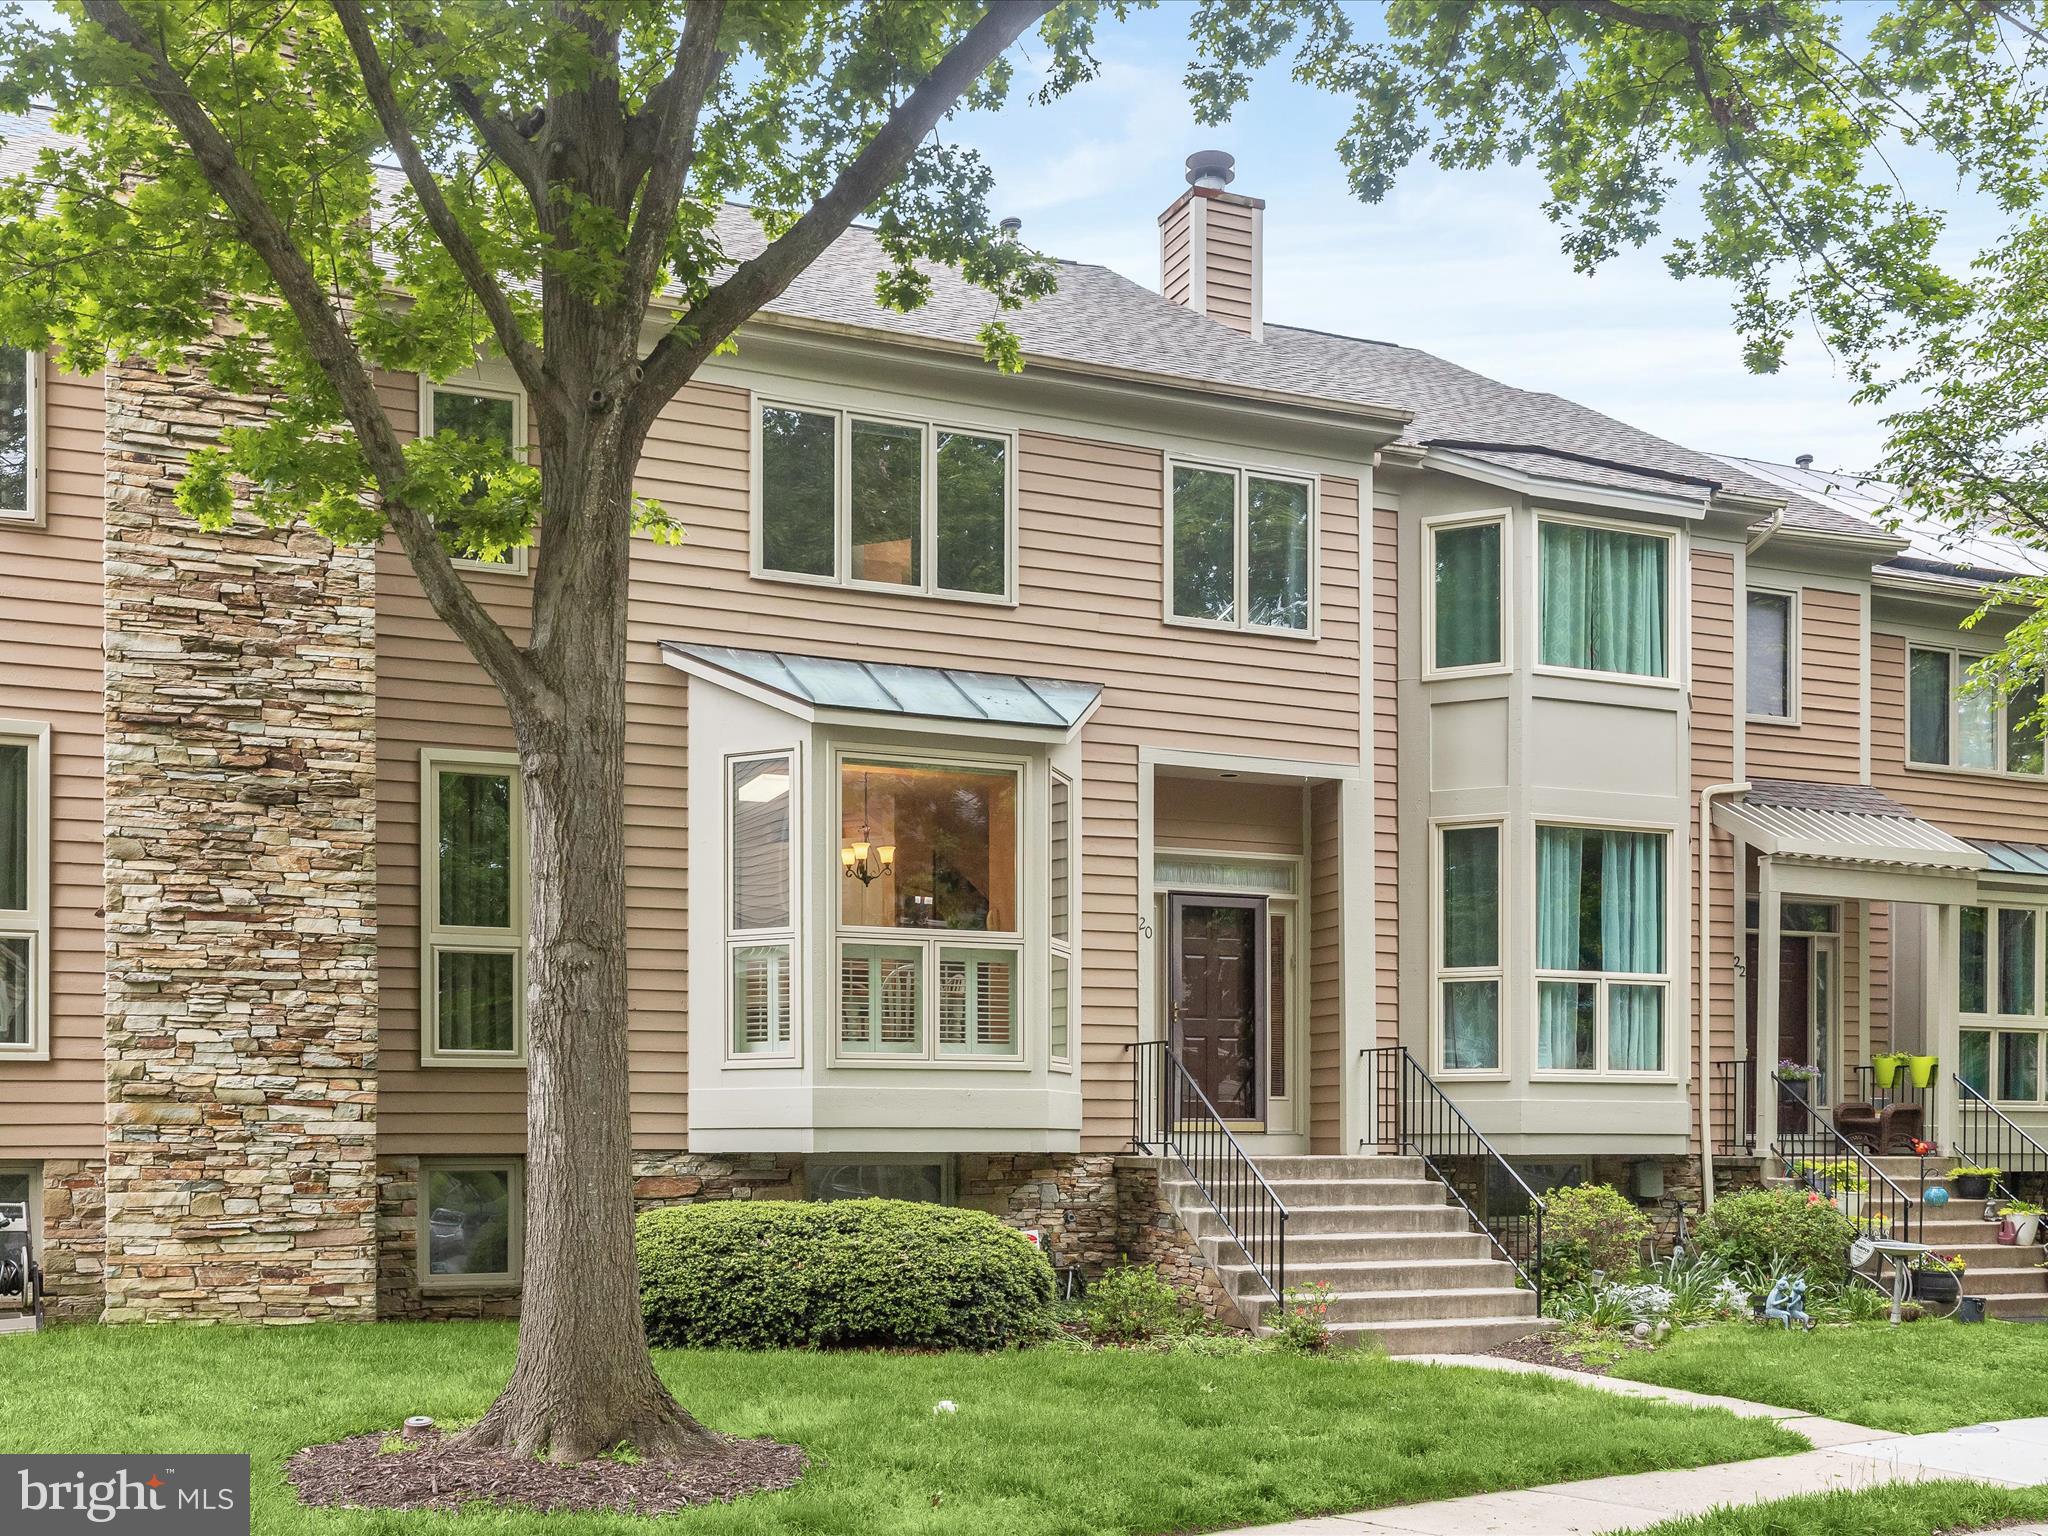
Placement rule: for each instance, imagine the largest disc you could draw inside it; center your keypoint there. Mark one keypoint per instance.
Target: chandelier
(854, 856)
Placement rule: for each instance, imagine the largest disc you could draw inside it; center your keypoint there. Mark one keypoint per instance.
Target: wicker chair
(1898, 1127)
(1861, 1124)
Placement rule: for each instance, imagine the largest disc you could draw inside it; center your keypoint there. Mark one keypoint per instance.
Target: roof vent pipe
(1213, 168)
(1804, 461)
(1011, 227)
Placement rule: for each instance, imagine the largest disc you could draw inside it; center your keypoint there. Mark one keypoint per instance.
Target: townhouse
(1223, 737)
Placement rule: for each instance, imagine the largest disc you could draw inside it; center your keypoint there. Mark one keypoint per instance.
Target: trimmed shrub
(1133, 1304)
(745, 1274)
(1779, 1230)
(1594, 1225)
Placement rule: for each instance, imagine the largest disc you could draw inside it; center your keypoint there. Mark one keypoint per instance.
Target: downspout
(1708, 796)
(1765, 534)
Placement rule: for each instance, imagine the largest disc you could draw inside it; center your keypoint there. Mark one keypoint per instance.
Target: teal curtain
(1972, 996)
(1560, 870)
(1976, 1066)
(1468, 596)
(1635, 1028)
(1927, 692)
(2019, 1065)
(1632, 940)
(1471, 915)
(1471, 1025)
(1603, 603)
(14, 828)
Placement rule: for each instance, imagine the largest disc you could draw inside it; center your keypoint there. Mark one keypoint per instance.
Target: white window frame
(34, 924)
(929, 429)
(786, 935)
(514, 1169)
(1057, 947)
(1959, 661)
(469, 384)
(1674, 1025)
(1439, 973)
(1239, 621)
(1995, 1021)
(35, 406)
(1021, 942)
(1450, 522)
(1794, 657)
(1675, 612)
(435, 935)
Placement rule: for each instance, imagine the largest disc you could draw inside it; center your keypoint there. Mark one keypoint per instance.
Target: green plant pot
(1886, 1070)
(1922, 1069)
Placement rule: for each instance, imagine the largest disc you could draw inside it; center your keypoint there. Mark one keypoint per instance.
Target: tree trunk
(583, 1381)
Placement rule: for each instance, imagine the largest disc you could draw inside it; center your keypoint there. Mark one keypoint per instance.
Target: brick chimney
(1212, 246)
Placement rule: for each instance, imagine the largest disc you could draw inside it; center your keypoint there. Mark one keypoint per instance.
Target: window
(1279, 977)
(761, 928)
(483, 415)
(1465, 595)
(1242, 549)
(1949, 725)
(921, 506)
(1602, 604)
(878, 1179)
(1060, 868)
(24, 888)
(21, 435)
(1601, 980)
(472, 1215)
(1468, 947)
(1999, 990)
(930, 946)
(1773, 656)
(474, 868)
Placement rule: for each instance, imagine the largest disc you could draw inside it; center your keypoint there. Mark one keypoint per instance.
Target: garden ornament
(1787, 1302)
(1936, 1195)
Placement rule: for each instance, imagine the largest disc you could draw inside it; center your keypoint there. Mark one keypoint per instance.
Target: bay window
(1060, 917)
(21, 435)
(1465, 594)
(1951, 725)
(473, 901)
(1772, 648)
(492, 416)
(1603, 603)
(24, 888)
(930, 943)
(883, 502)
(1241, 548)
(2004, 1008)
(761, 925)
(1602, 983)
(1468, 947)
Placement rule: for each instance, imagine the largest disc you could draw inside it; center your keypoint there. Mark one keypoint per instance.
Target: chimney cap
(1010, 226)
(1804, 461)
(1212, 168)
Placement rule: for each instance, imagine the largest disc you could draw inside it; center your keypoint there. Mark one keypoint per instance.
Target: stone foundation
(400, 1296)
(74, 1241)
(241, 986)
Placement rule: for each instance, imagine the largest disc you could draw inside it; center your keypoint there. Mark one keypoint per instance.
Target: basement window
(472, 1214)
(928, 1181)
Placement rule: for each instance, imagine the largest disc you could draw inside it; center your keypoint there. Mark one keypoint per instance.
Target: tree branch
(511, 146)
(524, 356)
(662, 145)
(328, 340)
(753, 283)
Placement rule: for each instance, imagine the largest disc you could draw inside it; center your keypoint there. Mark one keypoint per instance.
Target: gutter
(1765, 534)
(1708, 796)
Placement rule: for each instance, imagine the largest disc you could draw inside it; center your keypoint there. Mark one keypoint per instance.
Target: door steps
(1405, 1267)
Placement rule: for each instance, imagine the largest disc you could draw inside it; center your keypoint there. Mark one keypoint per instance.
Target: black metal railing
(1733, 1085)
(1172, 1116)
(1986, 1138)
(1808, 1144)
(1416, 1118)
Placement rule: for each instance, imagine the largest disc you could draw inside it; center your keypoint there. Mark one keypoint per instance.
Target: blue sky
(1462, 264)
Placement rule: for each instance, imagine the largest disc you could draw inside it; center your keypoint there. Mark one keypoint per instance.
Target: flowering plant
(1796, 1071)
(1948, 1263)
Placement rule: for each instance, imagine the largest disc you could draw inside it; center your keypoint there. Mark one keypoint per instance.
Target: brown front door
(1794, 1040)
(1218, 997)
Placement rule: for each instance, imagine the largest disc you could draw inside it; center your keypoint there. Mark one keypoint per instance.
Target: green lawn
(1905, 1509)
(1043, 1442)
(1920, 1377)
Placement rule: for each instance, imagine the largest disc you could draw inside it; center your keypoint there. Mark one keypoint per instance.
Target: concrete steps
(1404, 1266)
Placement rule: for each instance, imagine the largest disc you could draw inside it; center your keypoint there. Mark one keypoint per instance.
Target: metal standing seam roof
(2013, 858)
(932, 693)
(1847, 837)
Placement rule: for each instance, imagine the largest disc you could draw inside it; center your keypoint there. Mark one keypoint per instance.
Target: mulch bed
(1549, 1349)
(440, 1473)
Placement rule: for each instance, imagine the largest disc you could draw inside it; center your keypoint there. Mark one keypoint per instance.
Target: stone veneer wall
(241, 1002)
(73, 1240)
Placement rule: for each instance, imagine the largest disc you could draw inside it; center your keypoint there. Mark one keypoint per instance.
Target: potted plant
(1885, 1068)
(1838, 1180)
(1790, 1071)
(1972, 1183)
(1922, 1068)
(1938, 1278)
(2025, 1217)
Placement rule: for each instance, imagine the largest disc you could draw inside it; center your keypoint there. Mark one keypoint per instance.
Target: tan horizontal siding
(1229, 277)
(1713, 762)
(1386, 776)
(1326, 970)
(1966, 804)
(1226, 816)
(51, 672)
(1827, 743)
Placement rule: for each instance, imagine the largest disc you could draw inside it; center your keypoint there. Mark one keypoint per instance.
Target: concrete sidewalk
(1846, 1458)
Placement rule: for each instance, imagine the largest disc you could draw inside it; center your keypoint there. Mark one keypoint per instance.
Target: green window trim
(472, 1223)
(473, 901)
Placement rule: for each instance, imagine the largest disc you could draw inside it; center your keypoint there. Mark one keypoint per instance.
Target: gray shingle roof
(1805, 795)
